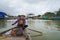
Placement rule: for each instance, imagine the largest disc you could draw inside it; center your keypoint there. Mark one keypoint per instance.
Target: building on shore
(30, 16)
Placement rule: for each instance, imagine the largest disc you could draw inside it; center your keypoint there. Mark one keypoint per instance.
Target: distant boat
(2, 15)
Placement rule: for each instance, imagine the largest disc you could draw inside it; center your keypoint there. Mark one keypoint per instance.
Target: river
(49, 28)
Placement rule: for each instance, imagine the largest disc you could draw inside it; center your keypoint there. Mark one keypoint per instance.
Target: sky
(17, 7)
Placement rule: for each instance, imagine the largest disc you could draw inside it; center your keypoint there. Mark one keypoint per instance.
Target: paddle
(34, 30)
(7, 30)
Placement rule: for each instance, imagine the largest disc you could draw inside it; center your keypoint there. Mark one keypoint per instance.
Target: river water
(49, 28)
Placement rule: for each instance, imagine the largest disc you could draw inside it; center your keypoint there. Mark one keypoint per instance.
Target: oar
(36, 35)
(35, 30)
(7, 30)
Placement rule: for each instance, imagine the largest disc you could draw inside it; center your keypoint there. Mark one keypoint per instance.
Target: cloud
(15, 7)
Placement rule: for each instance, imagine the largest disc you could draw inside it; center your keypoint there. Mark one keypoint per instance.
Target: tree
(49, 14)
(39, 15)
(58, 13)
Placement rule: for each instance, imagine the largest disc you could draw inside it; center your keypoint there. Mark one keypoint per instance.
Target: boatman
(21, 23)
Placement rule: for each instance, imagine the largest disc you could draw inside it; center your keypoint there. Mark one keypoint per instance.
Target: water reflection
(49, 28)
(2, 23)
(57, 22)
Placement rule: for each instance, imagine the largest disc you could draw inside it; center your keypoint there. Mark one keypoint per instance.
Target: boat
(4, 36)
(22, 37)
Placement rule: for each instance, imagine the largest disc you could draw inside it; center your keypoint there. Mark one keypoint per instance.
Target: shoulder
(18, 18)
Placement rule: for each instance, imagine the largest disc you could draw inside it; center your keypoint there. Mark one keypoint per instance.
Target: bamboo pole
(34, 30)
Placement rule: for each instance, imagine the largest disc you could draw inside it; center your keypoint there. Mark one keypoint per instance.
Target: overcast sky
(15, 7)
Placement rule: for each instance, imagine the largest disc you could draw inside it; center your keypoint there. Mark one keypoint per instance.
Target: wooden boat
(3, 36)
(8, 37)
